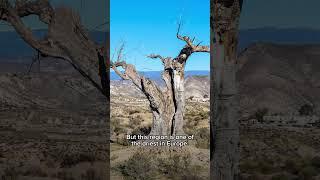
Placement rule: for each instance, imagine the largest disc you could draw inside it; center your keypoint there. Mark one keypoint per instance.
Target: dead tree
(224, 103)
(167, 105)
(66, 37)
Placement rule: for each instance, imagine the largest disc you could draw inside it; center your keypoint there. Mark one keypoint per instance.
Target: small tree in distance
(167, 105)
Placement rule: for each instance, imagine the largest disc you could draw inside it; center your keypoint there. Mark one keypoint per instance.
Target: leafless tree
(66, 38)
(224, 102)
(167, 105)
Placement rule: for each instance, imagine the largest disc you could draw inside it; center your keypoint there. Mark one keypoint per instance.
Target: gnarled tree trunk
(65, 39)
(167, 105)
(224, 103)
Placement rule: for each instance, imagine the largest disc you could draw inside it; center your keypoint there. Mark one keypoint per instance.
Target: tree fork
(167, 105)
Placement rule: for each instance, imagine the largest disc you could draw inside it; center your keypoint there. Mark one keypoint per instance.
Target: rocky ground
(269, 152)
(52, 125)
(279, 80)
(130, 114)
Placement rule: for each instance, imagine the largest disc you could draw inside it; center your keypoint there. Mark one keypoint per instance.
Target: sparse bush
(193, 118)
(116, 126)
(10, 174)
(174, 165)
(70, 160)
(134, 111)
(35, 171)
(282, 176)
(141, 131)
(259, 166)
(122, 140)
(139, 166)
(293, 166)
(178, 166)
(91, 174)
(316, 161)
(260, 113)
(306, 110)
(248, 166)
(204, 114)
(308, 172)
(202, 138)
(114, 157)
(65, 175)
(135, 121)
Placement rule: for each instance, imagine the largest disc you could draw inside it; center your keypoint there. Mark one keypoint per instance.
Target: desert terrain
(52, 123)
(280, 100)
(130, 114)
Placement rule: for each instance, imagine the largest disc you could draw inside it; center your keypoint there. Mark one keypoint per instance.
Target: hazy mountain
(55, 85)
(156, 75)
(12, 46)
(281, 78)
(197, 86)
(279, 36)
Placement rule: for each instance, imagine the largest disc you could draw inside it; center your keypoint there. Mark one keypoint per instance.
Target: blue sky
(148, 27)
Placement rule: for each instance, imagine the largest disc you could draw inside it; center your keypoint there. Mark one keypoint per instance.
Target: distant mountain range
(280, 78)
(12, 46)
(279, 36)
(156, 75)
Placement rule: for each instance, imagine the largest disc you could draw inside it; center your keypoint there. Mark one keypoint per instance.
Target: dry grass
(165, 165)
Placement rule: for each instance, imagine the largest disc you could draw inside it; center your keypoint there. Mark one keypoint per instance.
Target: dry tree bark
(224, 102)
(167, 105)
(66, 37)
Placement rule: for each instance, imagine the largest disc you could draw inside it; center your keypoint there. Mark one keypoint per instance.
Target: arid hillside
(282, 82)
(196, 86)
(52, 123)
(280, 78)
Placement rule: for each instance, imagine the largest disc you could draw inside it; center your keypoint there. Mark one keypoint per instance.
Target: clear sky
(280, 14)
(150, 26)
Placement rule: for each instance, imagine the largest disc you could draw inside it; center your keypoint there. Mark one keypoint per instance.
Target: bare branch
(119, 58)
(65, 39)
(189, 42)
(156, 56)
(42, 8)
(178, 31)
(201, 49)
(24, 8)
(119, 73)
